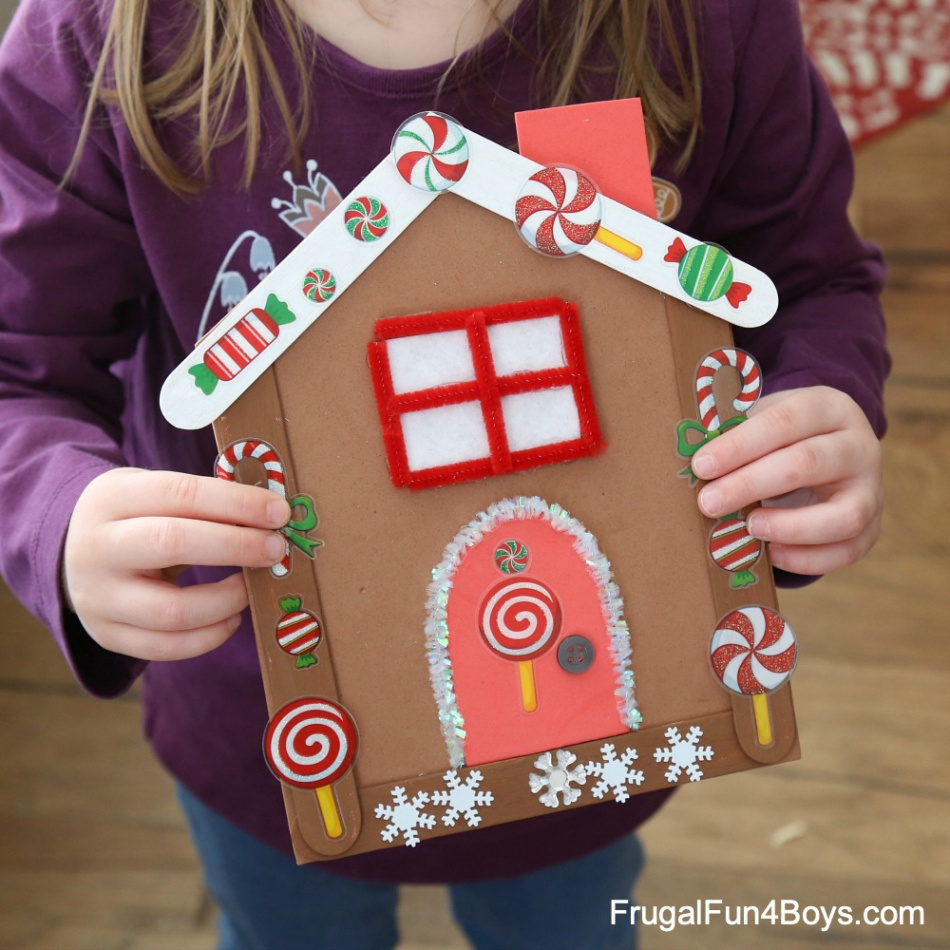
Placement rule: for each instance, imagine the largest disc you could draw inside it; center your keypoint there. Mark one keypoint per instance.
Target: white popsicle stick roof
(276, 312)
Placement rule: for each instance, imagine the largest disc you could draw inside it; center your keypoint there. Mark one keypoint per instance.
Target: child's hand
(812, 459)
(129, 532)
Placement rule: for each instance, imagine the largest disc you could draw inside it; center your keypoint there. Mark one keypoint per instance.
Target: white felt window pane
(527, 345)
(544, 417)
(430, 360)
(445, 435)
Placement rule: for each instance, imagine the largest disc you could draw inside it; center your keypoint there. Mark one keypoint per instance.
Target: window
(466, 394)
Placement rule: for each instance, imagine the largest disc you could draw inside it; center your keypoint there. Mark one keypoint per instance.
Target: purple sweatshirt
(106, 284)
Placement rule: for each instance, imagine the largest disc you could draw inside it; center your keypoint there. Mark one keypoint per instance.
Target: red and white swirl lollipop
(430, 151)
(751, 384)
(520, 620)
(558, 211)
(312, 743)
(753, 652)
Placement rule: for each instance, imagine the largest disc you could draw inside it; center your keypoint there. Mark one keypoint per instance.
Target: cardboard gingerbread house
(479, 382)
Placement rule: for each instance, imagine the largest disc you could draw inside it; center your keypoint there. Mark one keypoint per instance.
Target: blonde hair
(223, 59)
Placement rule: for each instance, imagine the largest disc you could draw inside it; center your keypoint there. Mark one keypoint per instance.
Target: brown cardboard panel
(316, 406)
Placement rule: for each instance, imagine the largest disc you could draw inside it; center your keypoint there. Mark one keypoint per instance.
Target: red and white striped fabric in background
(885, 61)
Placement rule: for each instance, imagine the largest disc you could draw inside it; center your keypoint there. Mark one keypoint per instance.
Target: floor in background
(93, 852)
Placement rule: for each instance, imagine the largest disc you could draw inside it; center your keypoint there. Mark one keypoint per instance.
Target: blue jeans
(267, 902)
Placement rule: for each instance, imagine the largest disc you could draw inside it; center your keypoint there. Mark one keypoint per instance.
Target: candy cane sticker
(750, 381)
(295, 531)
(750, 387)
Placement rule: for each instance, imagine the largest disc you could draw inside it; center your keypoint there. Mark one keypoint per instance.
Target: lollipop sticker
(753, 652)
(710, 425)
(430, 151)
(295, 531)
(298, 632)
(558, 212)
(520, 620)
(312, 743)
(735, 550)
(705, 273)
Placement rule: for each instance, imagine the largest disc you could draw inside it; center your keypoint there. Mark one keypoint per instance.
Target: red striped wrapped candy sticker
(244, 342)
(735, 550)
(312, 743)
(298, 632)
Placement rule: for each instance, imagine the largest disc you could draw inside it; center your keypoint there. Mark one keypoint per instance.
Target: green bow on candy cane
(688, 449)
(295, 530)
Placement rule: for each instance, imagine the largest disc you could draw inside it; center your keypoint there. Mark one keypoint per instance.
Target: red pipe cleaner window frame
(488, 389)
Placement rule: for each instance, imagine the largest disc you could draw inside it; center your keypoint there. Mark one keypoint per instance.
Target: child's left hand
(812, 459)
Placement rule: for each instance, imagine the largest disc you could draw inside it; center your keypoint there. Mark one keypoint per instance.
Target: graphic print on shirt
(668, 198)
(251, 256)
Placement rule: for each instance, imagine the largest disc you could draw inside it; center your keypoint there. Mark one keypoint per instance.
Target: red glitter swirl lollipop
(558, 211)
(753, 652)
(312, 743)
(520, 620)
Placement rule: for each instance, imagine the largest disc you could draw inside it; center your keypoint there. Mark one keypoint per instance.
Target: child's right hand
(130, 532)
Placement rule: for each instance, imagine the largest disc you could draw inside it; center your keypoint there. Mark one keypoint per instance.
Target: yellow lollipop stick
(619, 244)
(328, 811)
(763, 721)
(529, 693)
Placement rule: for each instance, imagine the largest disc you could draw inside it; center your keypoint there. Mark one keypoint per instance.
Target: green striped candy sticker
(705, 272)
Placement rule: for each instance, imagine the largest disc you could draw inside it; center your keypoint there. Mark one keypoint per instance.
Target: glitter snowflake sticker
(684, 754)
(405, 816)
(557, 778)
(462, 800)
(614, 774)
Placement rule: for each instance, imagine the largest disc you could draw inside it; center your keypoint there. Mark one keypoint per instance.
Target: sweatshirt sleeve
(72, 277)
(779, 201)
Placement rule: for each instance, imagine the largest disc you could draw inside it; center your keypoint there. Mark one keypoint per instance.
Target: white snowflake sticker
(557, 778)
(614, 774)
(462, 800)
(683, 754)
(405, 816)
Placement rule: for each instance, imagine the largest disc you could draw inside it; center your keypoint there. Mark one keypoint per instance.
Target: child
(175, 201)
